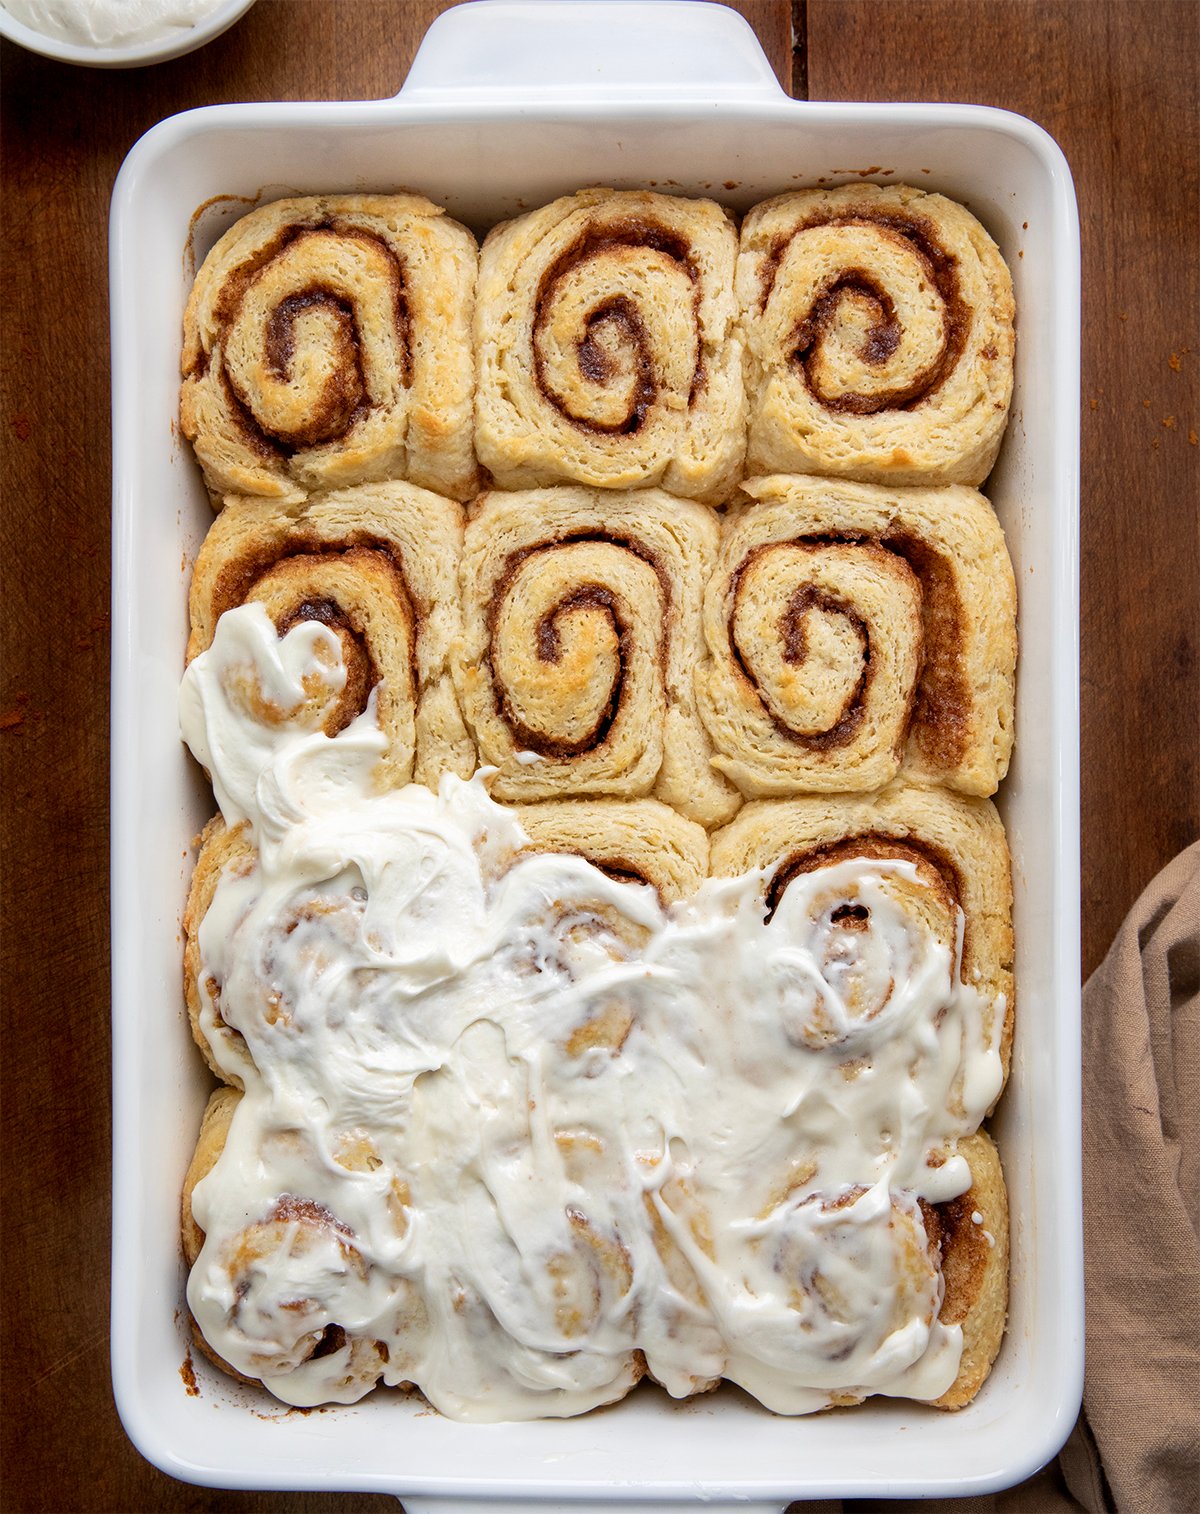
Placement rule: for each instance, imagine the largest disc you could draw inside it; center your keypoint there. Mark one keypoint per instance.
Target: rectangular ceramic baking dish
(508, 104)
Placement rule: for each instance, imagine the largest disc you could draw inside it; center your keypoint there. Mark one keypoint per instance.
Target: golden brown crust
(377, 565)
(327, 343)
(608, 348)
(222, 850)
(214, 1128)
(638, 840)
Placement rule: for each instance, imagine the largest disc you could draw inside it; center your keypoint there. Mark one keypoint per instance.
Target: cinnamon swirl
(607, 346)
(854, 629)
(582, 636)
(377, 566)
(327, 342)
(879, 336)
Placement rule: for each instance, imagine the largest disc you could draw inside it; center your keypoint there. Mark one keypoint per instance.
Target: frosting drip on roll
(375, 565)
(514, 1130)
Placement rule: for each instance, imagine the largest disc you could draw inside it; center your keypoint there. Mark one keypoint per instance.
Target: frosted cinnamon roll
(225, 851)
(879, 336)
(327, 342)
(267, 1290)
(847, 1289)
(376, 566)
(582, 637)
(855, 630)
(956, 846)
(934, 1272)
(607, 346)
(970, 1233)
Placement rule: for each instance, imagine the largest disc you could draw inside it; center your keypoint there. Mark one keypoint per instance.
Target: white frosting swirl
(509, 1122)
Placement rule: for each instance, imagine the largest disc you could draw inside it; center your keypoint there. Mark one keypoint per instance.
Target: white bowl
(128, 54)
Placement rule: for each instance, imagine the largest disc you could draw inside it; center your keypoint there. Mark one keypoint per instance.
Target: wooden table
(1114, 80)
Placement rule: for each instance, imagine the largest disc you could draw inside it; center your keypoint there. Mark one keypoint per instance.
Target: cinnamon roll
(635, 841)
(582, 637)
(327, 343)
(607, 346)
(265, 1289)
(214, 1130)
(853, 630)
(971, 1236)
(879, 336)
(376, 565)
(225, 851)
(957, 847)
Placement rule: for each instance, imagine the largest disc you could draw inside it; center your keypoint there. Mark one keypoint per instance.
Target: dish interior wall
(484, 170)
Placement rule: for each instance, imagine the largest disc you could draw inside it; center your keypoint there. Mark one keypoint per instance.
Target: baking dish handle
(528, 1505)
(589, 51)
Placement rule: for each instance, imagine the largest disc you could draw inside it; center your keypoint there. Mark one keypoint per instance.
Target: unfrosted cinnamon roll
(634, 841)
(957, 847)
(879, 336)
(376, 565)
(607, 346)
(853, 630)
(327, 342)
(582, 636)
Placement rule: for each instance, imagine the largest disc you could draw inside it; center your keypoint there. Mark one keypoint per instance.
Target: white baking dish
(508, 104)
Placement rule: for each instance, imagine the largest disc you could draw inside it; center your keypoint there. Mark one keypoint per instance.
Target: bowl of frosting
(116, 33)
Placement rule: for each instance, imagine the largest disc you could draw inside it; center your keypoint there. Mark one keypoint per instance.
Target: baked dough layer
(636, 841)
(971, 1234)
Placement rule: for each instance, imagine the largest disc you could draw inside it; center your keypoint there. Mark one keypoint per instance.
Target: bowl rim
(129, 54)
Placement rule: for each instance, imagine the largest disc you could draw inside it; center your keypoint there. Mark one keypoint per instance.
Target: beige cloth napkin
(1136, 1448)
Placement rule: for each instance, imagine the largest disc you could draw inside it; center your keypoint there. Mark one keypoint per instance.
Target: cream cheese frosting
(514, 1132)
(111, 23)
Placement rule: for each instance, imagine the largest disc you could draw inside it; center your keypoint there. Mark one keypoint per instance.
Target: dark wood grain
(1114, 81)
